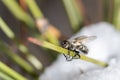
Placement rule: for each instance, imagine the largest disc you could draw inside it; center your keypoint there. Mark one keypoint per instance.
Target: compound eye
(65, 43)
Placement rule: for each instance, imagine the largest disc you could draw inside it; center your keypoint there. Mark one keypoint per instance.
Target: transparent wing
(84, 39)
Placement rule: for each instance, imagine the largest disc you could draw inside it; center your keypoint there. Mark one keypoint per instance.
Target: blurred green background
(20, 19)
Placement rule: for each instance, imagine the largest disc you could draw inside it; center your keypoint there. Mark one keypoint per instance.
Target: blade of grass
(35, 10)
(52, 38)
(31, 58)
(4, 68)
(73, 13)
(5, 29)
(81, 11)
(5, 77)
(17, 11)
(65, 51)
(108, 10)
(116, 14)
(78, 11)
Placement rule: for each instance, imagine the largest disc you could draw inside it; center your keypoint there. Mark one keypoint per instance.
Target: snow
(105, 48)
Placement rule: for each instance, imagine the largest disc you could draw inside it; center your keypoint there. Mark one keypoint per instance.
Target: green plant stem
(4, 68)
(61, 50)
(35, 10)
(51, 38)
(73, 13)
(16, 58)
(37, 13)
(32, 59)
(5, 29)
(17, 11)
(78, 12)
(116, 14)
(65, 51)
(108, 10)
(4, 76)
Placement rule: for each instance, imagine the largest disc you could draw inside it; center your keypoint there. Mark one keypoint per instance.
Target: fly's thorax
(81, 48)
(75, 43)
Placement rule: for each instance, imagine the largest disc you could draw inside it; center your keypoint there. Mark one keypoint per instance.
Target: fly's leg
(68, 57)
(77, 55)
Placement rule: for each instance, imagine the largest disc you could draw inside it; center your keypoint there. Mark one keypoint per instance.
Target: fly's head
(65, 44)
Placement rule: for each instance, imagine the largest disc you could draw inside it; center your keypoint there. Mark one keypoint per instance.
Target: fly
(77, 45)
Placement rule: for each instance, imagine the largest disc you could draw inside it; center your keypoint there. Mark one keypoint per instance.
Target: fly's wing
(84, 39)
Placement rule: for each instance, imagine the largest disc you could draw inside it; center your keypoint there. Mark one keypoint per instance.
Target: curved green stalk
(31, 58)
(65, 51)
(6, 29)
(116, 14)
(73, 13)
(5, 77)
(4, 68)
(17, 11)
(35, 10)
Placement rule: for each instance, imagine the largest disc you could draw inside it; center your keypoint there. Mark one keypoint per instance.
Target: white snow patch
(105, 48)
